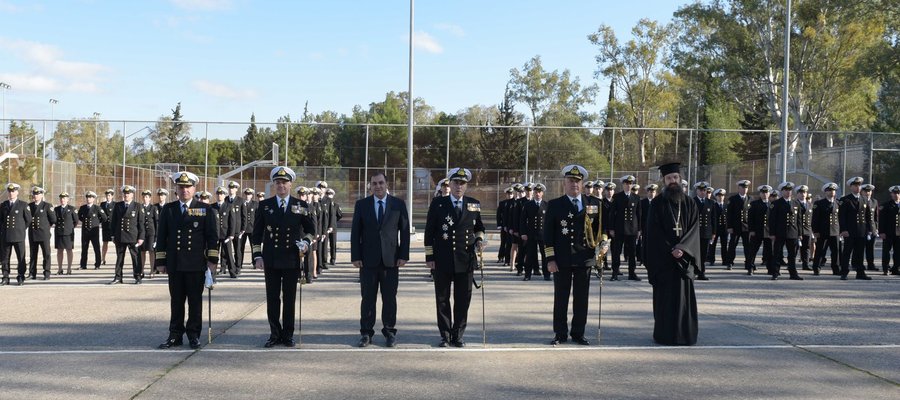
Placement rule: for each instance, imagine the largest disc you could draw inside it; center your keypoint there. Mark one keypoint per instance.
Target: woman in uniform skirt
(64, 235)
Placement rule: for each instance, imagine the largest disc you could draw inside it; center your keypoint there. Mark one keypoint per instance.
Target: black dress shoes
(458, 343)
(843, 277)
(444, 343)
(634, 277)
(272, 342)
(194, 343)
(364, 341)
(527, 278)
(390, 341)
(137, 282)
(581, 340)
(114, 282)
(290, 343)
(4, 281)
(614, 277)
(863, 277)
(702, 278)
(557, 341)
(170, 343)
(796, 278)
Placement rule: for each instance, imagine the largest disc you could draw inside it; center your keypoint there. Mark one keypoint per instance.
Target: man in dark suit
(42, 220)
(855, 227)
(533, 234)
(151, 221)
(650, 190)
(14, 221)
(186, 249)
(826, 229)
(625, 216)
(889, 231)
(804, 213)
(282, 233)
(454, 235)
(329, 220)
(91, 217)
(738, 220)
(127, 223)
(569, 256)
(784, 227)
(379, 247)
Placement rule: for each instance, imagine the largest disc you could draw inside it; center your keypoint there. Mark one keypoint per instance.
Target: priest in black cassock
(671, 257)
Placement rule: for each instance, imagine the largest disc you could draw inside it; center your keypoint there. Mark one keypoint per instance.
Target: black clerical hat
(670, 168)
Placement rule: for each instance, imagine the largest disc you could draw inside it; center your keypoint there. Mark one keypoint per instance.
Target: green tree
(741, 41)
(638, 71)
(170, 136)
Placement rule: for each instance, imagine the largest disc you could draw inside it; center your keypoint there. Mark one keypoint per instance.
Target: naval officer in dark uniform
(127, 223)
(454, 234)
(855, 227)
(42, 220)
(625, 222)
(569, 256)
(91, 217)
(826, 229)
(186, 248)
(282, 233)
(14, 220)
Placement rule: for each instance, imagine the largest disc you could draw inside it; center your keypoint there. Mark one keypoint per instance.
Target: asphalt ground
(73, 337)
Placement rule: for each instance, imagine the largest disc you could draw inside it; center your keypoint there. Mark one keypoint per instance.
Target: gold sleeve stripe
(160, 254)
(429, 251)
(309, 237)
(549, 252)
(212, 253)
(257, 248)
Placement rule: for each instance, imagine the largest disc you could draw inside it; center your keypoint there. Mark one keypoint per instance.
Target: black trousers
(332, 247)
(823, 244)
(90, 237)
(535, 247)
(281, 296)
(628, 242)
(803, 245)
(44, 245)
(889, 245)
(452, 321)
(577, 282)
(744, 237)
(320, 254)
(777, 254)
(639, 250)
(870, 252)
(6, 250)
(704, 254)
(853, 254)
(750, 252)
(226, 258)
(136, 266)
(186, 286)
(371, 281)
(238, 254)
(720, 241)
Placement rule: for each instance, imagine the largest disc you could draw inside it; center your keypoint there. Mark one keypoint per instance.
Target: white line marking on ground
(470, 349)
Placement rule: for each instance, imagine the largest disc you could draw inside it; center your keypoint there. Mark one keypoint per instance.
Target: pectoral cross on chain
(677, 229)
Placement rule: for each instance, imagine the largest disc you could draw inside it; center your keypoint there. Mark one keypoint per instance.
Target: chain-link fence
(83, 155)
